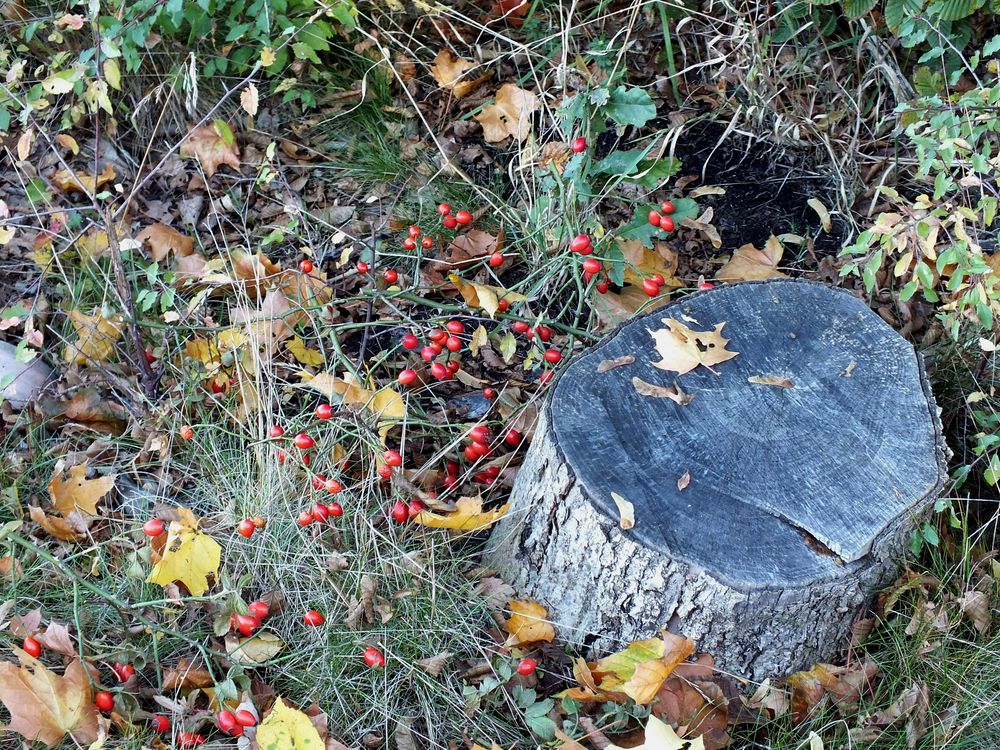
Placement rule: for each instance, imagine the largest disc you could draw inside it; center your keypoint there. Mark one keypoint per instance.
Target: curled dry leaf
(213, 145)
(777, 381)
(467, 516)
(186, 675)
(682, 349)
(483, 296)
(626, 511)
(70, 529)
(607, 365)
(434, 665)
(674, 393)
(509, 116)
(96, 337)
(77, 492)
(77, 182)
(750, 264)
(528, 623)
(822, 211)
(163, 240)
(684, 482)
(449, 72)
(260, 648)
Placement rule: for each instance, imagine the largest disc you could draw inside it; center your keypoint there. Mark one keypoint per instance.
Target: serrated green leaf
(954, 10)
(858, 8)
(897, 10)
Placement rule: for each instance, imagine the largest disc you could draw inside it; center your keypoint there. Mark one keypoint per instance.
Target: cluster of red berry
(401, 512)
(662, 217)
(410, 243)
(249, 623)
(437, 341)
(453, 221)
(233, 723)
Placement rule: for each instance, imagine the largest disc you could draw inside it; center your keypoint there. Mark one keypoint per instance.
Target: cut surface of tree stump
(765, 513)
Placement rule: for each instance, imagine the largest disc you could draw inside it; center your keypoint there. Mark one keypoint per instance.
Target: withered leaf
(626, 511)
(777, 381)
(682, 349)
(674, 393)
(610, 364)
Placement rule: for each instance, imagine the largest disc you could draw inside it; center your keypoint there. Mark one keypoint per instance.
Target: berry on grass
(579, 145)
(373, 657)
(303, 442)
(306, 266)
(31, 647)
(246, 528)
(104, 701)
(187, 432)
(153, 527)
(313, 618)
(526, 667)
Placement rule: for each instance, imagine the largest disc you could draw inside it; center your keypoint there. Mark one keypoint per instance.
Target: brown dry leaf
(96, 337)
(704, 225)
(186, 675)
(45, 707)
(267, 323)
(692, 700)
(682, 349)
(528, 623)
(163, 239)
(510, 116)
(449, 70)
(773, 380)
(68, 142)
(250, 99)
(60, 528)
(78, 182)
(976, 606)
(78, 492)
(434, 665)
(844, 686)
(607, 365)
(674, 393)
(469, 248)
(770, 697)
(467, 516)
(614, 308)
(10, 569)
(626, 511)
(642, 262)
(750, 264)
(56, 637)
(213, 145)
(684, 482)
(483, 296)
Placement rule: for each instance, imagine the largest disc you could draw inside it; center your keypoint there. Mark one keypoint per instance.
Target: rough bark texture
(605, 586)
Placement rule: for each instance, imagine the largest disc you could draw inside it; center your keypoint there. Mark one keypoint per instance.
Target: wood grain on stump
(800, 499)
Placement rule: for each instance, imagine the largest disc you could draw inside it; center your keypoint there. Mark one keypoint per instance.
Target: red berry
(410, 341)
(437, 335)
(226, 721)
(246, 528)
(361, 266)
(513, 437)
(217, 387)
(324, 411)
(282, 457)
(463, 217)
(332, 486)
(104, 701)
(259, 609)
(546, 376)
(650, 287)
(667, 224)
(187, 432)
(543, 332)
(318, 481)
(520, 326)
(150, 357)
(31, 647)
(503, 305)
(449, 481)
(480, 434)
(276, 431)
(407, 377)
(373, 657)
(306, 266)
(489, 393)
(415, 507)
(580, 244)
(428, 353)
(592, 265)
(654, 218)
(450, 222)
(658, 279)
(400, 513)
(706, 285)
(526, 667)
(392, 458)
(122, 671)
(439, 371)
(314, 618)
(385, 472)
(306, 460)
(444, 209)
(246, 718)
(452, 467)
(579, 145)
(336, 509)
(409, 244)
(303, 442)
(190, 739)
(471, 453)
(390, 276)
(426, 243)
(160, 724)
(247, 624)
(305, 518)
(496, 260)
(153, 527)
(667, 207)
(453, 344)
(453, 366)
(552, 355)
(413, 231)
(319, 513)
(455, 326)
(602, 287)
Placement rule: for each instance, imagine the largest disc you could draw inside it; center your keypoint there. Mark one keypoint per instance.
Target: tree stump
(765, 513)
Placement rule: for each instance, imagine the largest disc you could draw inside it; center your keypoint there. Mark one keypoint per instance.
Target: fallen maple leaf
(96, 337)
(58, 527)
(467, 516)
(661, 736)
(682, 349)
(509, 116)
(213, 145)
(285, 728)
(642, 262)
(78, 182)
(163, 239)
(528, 623)
(483, 296)
(750, 264)
(45, 707)
(303, 354)
(78, 492)
(449, 71)
(189, 556)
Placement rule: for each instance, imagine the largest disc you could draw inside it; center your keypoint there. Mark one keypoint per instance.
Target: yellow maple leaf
(642, 262)
(284, 728)
(528, 623)
(44, 706)
(467, 516)
(78, 182)
(682, 349)
(305, 355)
(750, 264)
(77, 492)
(95, 337)
(189, 556)
(213, 145)
(509, 116)
(483, 295)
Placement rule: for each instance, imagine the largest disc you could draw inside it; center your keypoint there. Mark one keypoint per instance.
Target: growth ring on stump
(766, 510)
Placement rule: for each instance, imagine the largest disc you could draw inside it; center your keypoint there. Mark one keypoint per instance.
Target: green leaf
(620, 163)
(897, 10)
(655, 173)
(630, 106)
(953, 10)
(858, 8)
